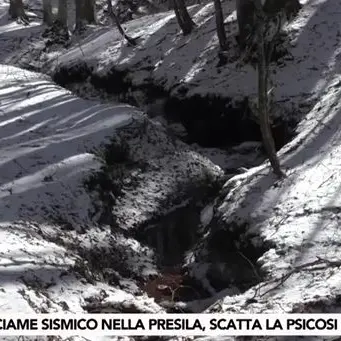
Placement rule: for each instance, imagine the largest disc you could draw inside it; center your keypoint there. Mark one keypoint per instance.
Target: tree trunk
(184, 13)
(178, 16)
(79, 14)
(62, 13)
(246, 15)
(89, 11)
(117, 23)
(245, 18)
(290, 7)
(16, 11)
(263, 112)
(109, 6)
(47, 12)
(184, 19)
(219, 19)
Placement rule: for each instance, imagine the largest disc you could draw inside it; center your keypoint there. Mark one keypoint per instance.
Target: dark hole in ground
(229, 266)
(233, 257)
(170, 237)
(77, 73)
(210, 121)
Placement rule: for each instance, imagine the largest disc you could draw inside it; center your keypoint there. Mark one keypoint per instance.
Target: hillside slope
(189, 65)
(294, 222)
(280, 238)
(56, 254)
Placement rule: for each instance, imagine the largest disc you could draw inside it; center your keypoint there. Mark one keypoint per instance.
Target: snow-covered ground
(46, 138)
(50, 241)
(298, 217)
(174, 62)
(49, 137)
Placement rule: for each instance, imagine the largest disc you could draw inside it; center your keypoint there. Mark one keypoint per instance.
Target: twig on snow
(303, 267)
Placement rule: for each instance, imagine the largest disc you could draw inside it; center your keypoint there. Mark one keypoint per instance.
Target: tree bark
(245, 18)
(62, 13)
(178, 16)
(109, 6)
(16, 11)
(219, 19)
(290, 7)
(89, 11)
(117, 23)
(47, 12)
(184, 13)
(263, 112)
(79, 14)
(184, 19)
(246, 15)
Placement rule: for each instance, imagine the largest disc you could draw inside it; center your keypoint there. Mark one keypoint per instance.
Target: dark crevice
(210, 121)
(233, 256)
(213, 121)
(171, 237)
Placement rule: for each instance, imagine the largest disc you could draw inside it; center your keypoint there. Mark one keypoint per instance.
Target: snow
(50, 242)
(46, 136)
(247, 154)
(174, 62)
(206, 215)
(48, 139)
(297, 216)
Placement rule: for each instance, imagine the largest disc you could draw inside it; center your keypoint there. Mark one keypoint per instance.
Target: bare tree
(219, 18)
(47, 12)
(254, 22)
(16, 11)
(116, 22)
(263, 58)
(62, 13)
(184, 19)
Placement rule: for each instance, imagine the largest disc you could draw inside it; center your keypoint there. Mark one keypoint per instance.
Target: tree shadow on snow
(177, 57)
(313, 54)
(46, 139)
(320, 130)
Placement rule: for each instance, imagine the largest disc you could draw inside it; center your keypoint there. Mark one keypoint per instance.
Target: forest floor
(52, 141)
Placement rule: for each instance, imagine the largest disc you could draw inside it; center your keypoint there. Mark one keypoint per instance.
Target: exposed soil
(209, 122)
